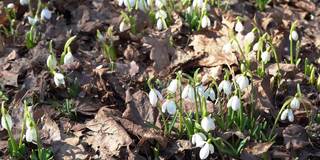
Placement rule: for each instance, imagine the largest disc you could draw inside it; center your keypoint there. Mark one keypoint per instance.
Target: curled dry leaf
(134, 68)
(295, 137)
(287, 70)
(258, 148)
(50, 131)
(9, 78)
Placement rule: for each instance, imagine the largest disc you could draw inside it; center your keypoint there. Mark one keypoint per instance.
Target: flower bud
(6, 121)
(10, 6)
(59, 79)
(207, 124)
(225, 86)
(68, 58)
(31, 134)
(295, 103)
(154, 95)
(172, 88)
(205, 22)
(249, 38)
(234, 102)
(198, 139)
(284, 115)
(169, 106)
(294, 35)
(46, 14)
(206, 150)
(124, 26)
(242, 81)
(52, 62)
(290, 115)
(265, 57)
(239, 27)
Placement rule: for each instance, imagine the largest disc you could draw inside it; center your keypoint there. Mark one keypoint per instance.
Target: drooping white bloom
(225, 86)
(205, 22)
(161, 14)
(127, 3)
(6, 119)
(294, 35)
(31, 134)
(227, 48)
(198, 139)
(124, 26)
(51, 62)
(239, 27)
(159, 24)
(32, 21)
(249, 38)
(295, 103)
(188, 93)
(120, 2)
(255, 47)
(284, 115)
(173, 86)
(242, 81)
(68, 58)
(265, 56)
(210, 92)
(169, 106)
(290, 115)
(197, 3)
(154, 96)
(206, 150)
(46, 14)
(10, 6)
(24, 2)
(234, 102)
(160, 3)
(207, 124)
(59, 79)
(201, 91)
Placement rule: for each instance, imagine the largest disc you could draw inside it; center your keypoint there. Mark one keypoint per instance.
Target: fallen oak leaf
(258, 148)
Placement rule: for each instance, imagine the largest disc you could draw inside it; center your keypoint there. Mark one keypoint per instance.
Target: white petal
(120, 3)
(123, 26)
(211, 148)
(249, 38)
(185, 91)
(159, 25)
(68, 58)
(205, 151)
(284, 115)
(31, 134)
(290, 115)
(255, 47)
(51, 62)
(199, 139)
(6, 119)
(205, 22)
(242, 81)
(201, 91)
(59, 79)
(234, 102)
(173, 86)
(225, 85)
(46, 14)
(161, 14)
(265, 56)
(164, 106)
(295, 103)
(10, 6)
(158, 94)
(239, 27)
(294, 35)
(129, 3)
(207, 124)
(24, 2)
(211, 94)
(153, 98)
(171, 107)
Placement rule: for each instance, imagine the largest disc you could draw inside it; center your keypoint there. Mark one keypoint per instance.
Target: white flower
(120, 3)
(294, 35)
(188, 93)
(201, 91)
(227, 48)
(287, 113)
(159, 24)
(31, 134)
(160, 3)
(161, 14)
(127, 3)
(24, 2)
(210, 92)
(68, 58)
(207, 124)
(239, 27)
(249, 38)
(142, 5)
(32, 21)
(124, 26)
(242, 81)
(295, 103)
(226, 86)
(169, 106)
(197, 3)
(198, 139)
(172, 88)
(255, 47)
(154, 95)
(10, 6)
(205, 22)
(189, 10)
(51, 62)
(265, 56)
(46, 14)
(59, 79)
(234, 102)
(206, 150)
(6, 119)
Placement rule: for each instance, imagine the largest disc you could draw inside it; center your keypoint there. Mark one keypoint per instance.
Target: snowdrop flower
(51, 62)
(295, 103)
(207, 124)
(142, 5)
(188, 93)
(225, 86)
(206, 150)
(205, 22)
(124, 26)
(265, 56)
(242, 81)
(32, 21)
(210, 92)
(46, 14)
(287, 113)
(31, 134)
(234, 102)
(255, 47)
(249, 38)
(201, 91)
(161, 14)
(197, 3)
(172, 88)
(160, 3)
(24, 2)
(10, 6)
(6, 119)
(169, 106)
(59, 79)
(159, 24)
(154, 96)
(198, 139)
(227, 48)
(127, 3)
(68, 58)
(239, 27)
(294, 35)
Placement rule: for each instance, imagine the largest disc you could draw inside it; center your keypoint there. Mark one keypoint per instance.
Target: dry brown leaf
(287, 70)
(134, 68)
(50, 130)
(295, 137)
(9, 78)
(69, 149)
(258, 148)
